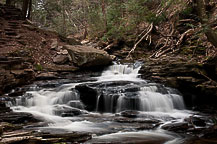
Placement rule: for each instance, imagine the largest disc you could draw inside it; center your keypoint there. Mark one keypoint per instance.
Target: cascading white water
(120, 72)
(148, 98)
(119, 88)
(131, 94)
(50, 102)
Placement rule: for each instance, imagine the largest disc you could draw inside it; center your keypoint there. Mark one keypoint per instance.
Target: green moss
(38, 67)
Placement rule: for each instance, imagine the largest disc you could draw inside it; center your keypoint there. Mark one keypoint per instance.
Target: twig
(134, 47)
(207, 77)
(182, 36)
(160, 52)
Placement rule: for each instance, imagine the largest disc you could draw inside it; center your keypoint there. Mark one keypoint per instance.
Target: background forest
(159, 25)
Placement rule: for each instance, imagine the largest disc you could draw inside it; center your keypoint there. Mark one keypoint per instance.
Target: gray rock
(72, 41)
(176, 127)
(86, 56)
(54, 44)
(63, 52)
(61, 59)
(47, 76)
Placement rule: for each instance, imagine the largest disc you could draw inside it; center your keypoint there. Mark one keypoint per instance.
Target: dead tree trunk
(64, 18)
(25, 8)
(30, 10)
(103, 6)
(8, 2)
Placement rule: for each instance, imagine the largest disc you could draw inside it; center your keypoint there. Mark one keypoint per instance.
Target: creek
(115, 107)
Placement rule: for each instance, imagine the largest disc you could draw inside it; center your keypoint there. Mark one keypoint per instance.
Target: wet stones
(129, 114)
(47, 76)
(15, 71)
(3, 108)
(30, 137)
(17, 118)
(196, 121)
(68, 111)
(103, 96)
(88, 96)
(177, 127)
(64, 137)
(137, 120)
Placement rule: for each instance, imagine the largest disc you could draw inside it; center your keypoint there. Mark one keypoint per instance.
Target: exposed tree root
(182, 36)
(148, 30)
(169, 44)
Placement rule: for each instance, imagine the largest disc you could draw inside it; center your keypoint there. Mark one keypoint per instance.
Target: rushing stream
(117, 107)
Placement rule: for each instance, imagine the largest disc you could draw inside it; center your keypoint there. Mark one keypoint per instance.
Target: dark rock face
(88, 96)
(177, 127)
(68, 112)
(3, 108)
(103, 96)
(197, 82)
(15, 71)
(17, 118)
(10, 13)
(30, 137)
(46, 76)
(129, 114)
(196, 121)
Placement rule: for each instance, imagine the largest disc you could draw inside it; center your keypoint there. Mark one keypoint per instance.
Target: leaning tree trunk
(209, 32)
(30, 10)
(103, 7)
(8, 2)
(64, 18)
(25, 8)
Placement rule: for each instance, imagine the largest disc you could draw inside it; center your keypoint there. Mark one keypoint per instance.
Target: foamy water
(151, 99)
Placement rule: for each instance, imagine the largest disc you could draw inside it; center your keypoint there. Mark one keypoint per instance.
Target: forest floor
(27, 51)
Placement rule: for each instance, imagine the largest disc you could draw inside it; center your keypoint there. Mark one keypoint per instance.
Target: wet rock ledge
(196, 81)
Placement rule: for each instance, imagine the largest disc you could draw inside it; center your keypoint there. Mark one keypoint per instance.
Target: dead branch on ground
(150, 27)
(148, 30)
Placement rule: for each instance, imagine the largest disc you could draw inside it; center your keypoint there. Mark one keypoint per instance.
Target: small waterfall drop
(119, 88)
(135, 93)
(121, 72)
(50, 102)
(113, 107)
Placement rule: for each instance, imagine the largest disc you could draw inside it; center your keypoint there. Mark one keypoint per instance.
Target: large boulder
(103, 96)
(86, 56)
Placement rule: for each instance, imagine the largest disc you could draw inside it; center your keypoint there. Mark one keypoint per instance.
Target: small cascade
(119, 88)
(121, 72)
(129, 92)
(48, 101)
(118, 106)
(151, 100)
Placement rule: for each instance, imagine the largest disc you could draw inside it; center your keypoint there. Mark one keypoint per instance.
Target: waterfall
(119, 88)
(137, 94)
(107, 105)
(50, 101)
(121, 72)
